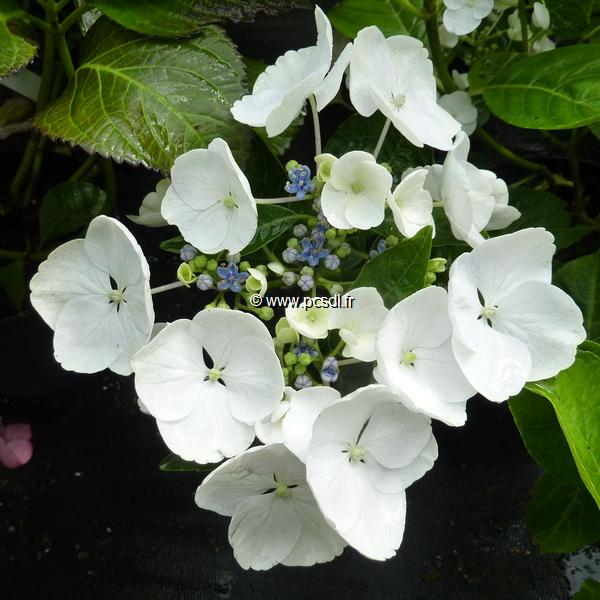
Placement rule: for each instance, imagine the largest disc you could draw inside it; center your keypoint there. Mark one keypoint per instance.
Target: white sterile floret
(304, 407)
(355, 194)
(364, 452)
(541, 16)
(210, 200)
(460, 106)
(274, 517)
(280, 92)
(414, 357)
(447, 38)
(358, 324)
(544, 44)
(206, 412)
(461, 80)
(308, 320)
(395, 76)
(514, 30)
(464, 16)
(95, 294)
(510, 325)
(503, 214)
(411, 204)
(269, 430)
(150, 214)
(257, 282)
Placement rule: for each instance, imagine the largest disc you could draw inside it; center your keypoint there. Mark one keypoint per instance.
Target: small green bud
(437, 265)
(299, 369)
(198, 263)
(212, 265)
(266, 313)
(305, 359)
(185, 274)
(244, 265)
(430, 278)
(391, 241)
(253, 284)
(284, 333)
(336, 288)
(344, 250)
(290, 359)
(324, 163)
(331, 233)
(291, 164)
(307, 271)
(312, 221)
(262, 269)
(293, 243)
(286, 376)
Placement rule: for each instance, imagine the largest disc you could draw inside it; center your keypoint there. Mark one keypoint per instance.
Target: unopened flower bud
(290, 255)
(290, 359)
(305, 359)
(302, 382)
(204, 282)
(185, 274)
(266, 313)
(289, 278)
(306, 283)
(300, 230)
(187, 253)
(332, 262)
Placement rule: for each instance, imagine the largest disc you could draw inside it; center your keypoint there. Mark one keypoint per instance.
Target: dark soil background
(91, 516)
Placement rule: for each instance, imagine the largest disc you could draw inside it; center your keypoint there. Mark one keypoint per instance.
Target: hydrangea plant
(412, 264)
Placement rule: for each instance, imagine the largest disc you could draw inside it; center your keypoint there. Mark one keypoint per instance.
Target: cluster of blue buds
(312, 251)
(300, 182)
(304, 348)
(231, 278)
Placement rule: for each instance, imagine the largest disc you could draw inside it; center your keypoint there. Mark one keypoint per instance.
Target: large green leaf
(16, 47)
(580, 278)
(176, 18)
(359, 133)
(484, 70)
(69, 207)
(350, 16)
(538, 425)
(147, 101)
(273, 221)
(559, 89)
(399, 271)
(562, 517)
(543, 209)
(590, 590)
(568, 19)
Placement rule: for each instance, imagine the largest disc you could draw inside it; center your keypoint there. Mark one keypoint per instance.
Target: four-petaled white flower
(510, 325)
(210, 200)
(274, 517)
(364, 452)
(150, 210)
(355, 194)
(205, 413)
(308, 320)
(414, 357)
(460, 106)
(358, 325)
(280, 92)
(395, 76)
(95, 294)
(464, 16)
(411, 203)
(304, 407)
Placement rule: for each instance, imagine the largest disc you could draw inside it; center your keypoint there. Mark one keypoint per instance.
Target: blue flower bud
(300, 230)
(289, 278)
(290, 255)
(306, 283)
(302, 382)
(330, 370)
(204, 282)
(187, 253)
(332, 262)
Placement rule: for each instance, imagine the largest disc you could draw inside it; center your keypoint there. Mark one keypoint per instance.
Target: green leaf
(569, 19)
(350, 16)
(177, 18)
(16, 47)
(264, 171)
(590, 590)
(559, 89)
(69, 207)
(399, 271)
(484, 70)
(173, 244)
(543, 209)
(173, 462)
(580, 278)
(273, 221)
(543, 437)
(562, 517)
(360, 133)
(146, 101)
(12, 281)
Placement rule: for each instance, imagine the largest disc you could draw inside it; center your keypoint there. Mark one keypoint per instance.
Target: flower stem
(282, 200)
(437, 54)
(83, 169)
(167, 287)
(73, 18)
(348, 361)
(315, 113)
(524, 33)
(409, 7)
(386, 127)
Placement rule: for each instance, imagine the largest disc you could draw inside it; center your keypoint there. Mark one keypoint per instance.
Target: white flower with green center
(411, 203)
(364, 452)
(210, 200)
(150, 210)
(355, 194)
(358, 325)
(309, 321)
(208, 381)
(510, 324)
(395, 76)
(95, 294)
(274, 517)
(280, 92)
(464, 16)
(414, 357)
(460, 106)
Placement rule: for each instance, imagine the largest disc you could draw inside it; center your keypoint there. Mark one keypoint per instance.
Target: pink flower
(15, 445)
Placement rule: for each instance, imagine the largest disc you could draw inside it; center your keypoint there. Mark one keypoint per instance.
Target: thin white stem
(167, 287)
(381, 139)
(281, 200)
(315, 114)
(348, 361)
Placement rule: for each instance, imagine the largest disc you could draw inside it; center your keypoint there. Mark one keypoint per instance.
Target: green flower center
(399, 100)
(357, 453)
(213, 374)
(283, 491)
(488, 312)
(408, 358)
(229, 201)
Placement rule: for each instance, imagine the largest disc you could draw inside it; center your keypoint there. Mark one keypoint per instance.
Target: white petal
(333, 205)
(411, 204)
(329, 87)
(149, 213)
